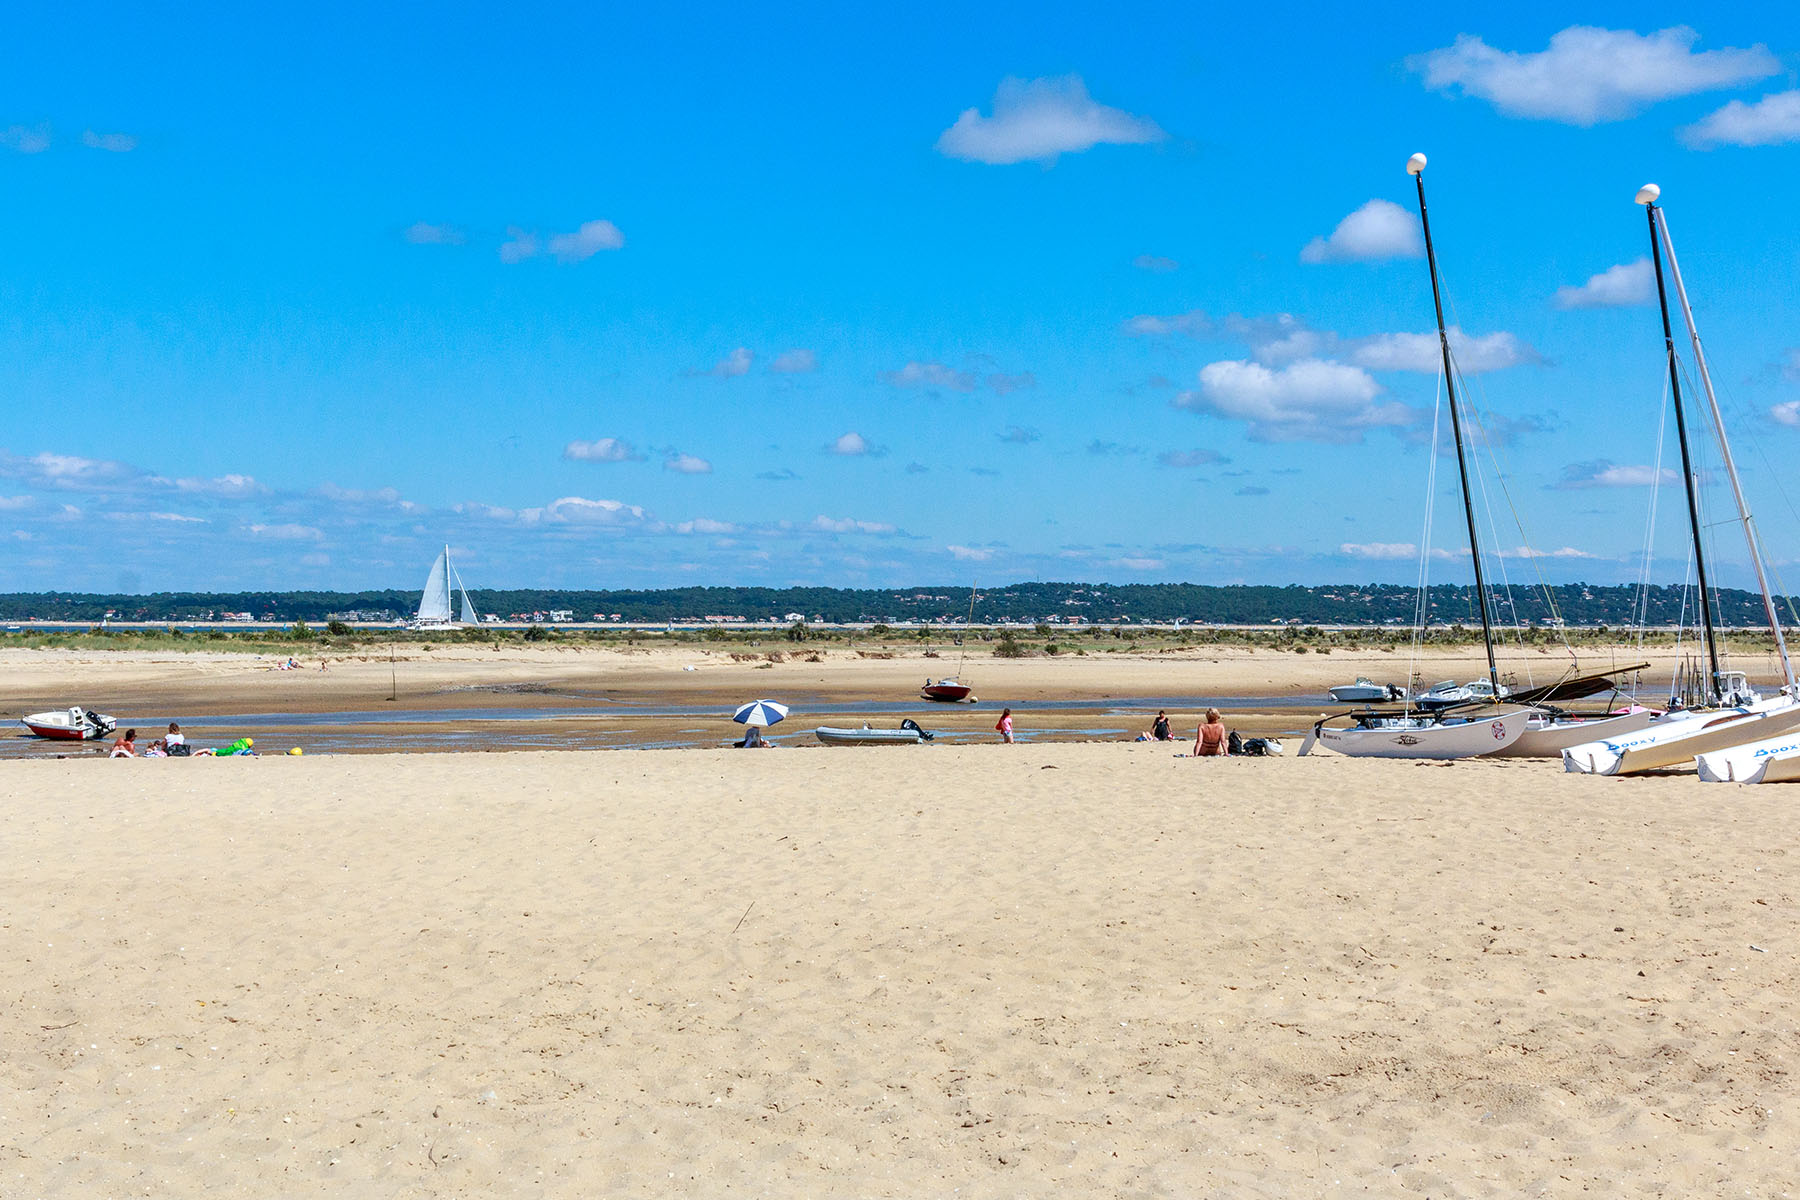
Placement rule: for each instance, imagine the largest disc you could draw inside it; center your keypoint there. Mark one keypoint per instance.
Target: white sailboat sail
(443, 589)
(434, 603)
(468, 609)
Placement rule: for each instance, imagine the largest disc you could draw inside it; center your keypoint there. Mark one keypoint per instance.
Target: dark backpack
(1234, 744)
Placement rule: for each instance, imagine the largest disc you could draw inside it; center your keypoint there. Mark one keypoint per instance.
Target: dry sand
(1037, 970)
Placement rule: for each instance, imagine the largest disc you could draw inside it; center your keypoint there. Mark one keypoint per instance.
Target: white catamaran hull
(1549, 738)
(1423, 739)
(1776, 760)
(1677, 739)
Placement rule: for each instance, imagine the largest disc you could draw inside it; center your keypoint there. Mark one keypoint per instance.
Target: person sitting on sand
(1209, 739)
(1004, 726)
(1159, 729)
(125, 747)
(174, 737)
(753, 739)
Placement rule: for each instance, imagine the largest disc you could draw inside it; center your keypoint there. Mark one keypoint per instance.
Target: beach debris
(1757, 948)
(741, 920)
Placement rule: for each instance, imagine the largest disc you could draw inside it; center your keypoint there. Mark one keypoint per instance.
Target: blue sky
(606, 298)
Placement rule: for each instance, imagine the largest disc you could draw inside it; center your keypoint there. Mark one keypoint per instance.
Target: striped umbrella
(760, 713)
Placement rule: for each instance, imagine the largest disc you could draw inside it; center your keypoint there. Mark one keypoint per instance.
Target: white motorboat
(1366, 691)
(909, 734)
(72, 724)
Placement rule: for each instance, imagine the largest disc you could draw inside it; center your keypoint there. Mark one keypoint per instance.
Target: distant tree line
(1373, 604)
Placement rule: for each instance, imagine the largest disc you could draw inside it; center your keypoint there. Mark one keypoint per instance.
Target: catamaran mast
(1647, 197)
(1415, 166)
(1661, 220)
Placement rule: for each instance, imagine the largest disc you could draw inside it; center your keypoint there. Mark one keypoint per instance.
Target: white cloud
(1379, 550)
(736, 363)
(48, 469)
(587, 241)
(604, 449)
(385, 497)
(26, 139)
(114, 143)
(970, 553)
(1310, 400)
(486, 512)
(1421, 352)
(1601, 473)
(1156, 264)
(1183, 460)
(851, 445)
(287, 532)
(1771, 121)
(826, 524)
(1616, 287)
(14, 503)
(1530, 552)
(175, 517)
(519, 245)
(577, 510)
(687, 464)
(225, 487)
(706, 525)
(424, 233)
(1379, 229)
(1786, 413)
(1138, 564)
(1282, 338)
(1194, 324)
(1040, 119)
(1589, 75)
(795, 362)
(1005, 385)
(930, 375)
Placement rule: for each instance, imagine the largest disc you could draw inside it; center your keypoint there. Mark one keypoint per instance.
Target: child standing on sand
(1004, 726)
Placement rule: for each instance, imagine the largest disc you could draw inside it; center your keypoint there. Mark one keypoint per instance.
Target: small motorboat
(909, 734)
(947, 690)
(1366, 691)
(72, 724)
(1448, 693)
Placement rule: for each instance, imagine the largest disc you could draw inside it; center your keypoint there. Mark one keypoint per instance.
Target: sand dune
(1079, 969)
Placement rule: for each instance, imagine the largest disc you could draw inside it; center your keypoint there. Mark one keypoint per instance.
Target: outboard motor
(913, 725)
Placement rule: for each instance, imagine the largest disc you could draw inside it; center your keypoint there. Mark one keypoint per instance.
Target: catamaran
(442, 587)
(1466, 726)
(1731, 715)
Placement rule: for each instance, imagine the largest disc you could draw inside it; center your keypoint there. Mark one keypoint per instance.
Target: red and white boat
(948, 690)
(73, 724)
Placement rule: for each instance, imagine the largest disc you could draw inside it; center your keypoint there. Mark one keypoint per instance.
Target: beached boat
(1421, 736)
(436, 603)
(909, 734)
(949, 691)
(1547, 735)
(1731, 715)
(1442, 730)
(1366, 691)
(72, 724)
(1774, 760)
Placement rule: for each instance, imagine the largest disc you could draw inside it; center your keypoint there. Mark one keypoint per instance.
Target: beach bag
(180, 750)
(1234, 744)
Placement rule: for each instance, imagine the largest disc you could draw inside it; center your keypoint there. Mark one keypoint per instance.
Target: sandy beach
(979, 971)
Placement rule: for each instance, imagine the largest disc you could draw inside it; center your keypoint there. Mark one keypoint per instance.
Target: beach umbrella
(760, 713)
